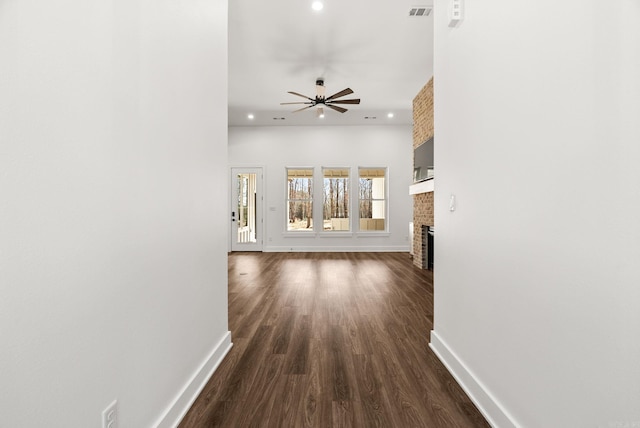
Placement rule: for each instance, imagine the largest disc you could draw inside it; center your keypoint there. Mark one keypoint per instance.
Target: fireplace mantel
(422, 187)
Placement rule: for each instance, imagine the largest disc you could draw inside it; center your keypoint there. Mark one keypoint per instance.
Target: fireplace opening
(427, 247)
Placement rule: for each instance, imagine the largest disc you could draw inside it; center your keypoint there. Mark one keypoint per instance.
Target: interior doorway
(246, 209)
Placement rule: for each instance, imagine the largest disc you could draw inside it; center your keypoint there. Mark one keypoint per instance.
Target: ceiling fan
(321, 101)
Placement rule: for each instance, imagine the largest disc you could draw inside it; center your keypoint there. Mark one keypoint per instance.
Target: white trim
(321, 195)
(372, 234)
(422, 187)
(387, 203)
(334, 249)
(184, 400)
(335, 234)
(301, 234)
(488, 405)
(285, 189)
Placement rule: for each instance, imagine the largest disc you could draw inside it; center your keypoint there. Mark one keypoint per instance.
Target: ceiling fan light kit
(321, 100)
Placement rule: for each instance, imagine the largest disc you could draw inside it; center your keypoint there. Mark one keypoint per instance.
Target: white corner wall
(537, 108)
(277, 147)
(112, 148)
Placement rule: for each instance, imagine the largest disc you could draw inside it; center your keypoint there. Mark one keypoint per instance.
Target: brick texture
(423, 115)
(422, 131)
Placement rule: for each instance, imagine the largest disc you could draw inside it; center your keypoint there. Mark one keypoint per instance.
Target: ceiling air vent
(420, 11)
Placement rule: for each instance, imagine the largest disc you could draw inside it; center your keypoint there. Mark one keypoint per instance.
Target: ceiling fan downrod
(320, 94)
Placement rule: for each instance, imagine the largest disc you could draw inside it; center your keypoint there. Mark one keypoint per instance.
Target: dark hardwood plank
(339, 374)
(259, 409)
(371, 393)
(282, 333)
(330, 340)
(316, 405)
(297, 358)
(346, 414)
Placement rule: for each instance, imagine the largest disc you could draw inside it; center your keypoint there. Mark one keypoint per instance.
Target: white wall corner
(184, 400)
(490, 408)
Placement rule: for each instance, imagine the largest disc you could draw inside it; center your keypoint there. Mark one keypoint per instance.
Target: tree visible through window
(243, 199)
(372, 199)
(336, 199)
(300, 199)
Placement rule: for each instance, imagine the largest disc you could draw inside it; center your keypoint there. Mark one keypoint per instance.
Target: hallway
(329, 340)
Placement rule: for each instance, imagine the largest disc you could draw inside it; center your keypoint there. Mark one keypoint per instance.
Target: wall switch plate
(455, 12)
(110, 415)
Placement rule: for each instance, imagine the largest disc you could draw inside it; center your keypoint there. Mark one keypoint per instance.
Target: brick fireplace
(423, 129)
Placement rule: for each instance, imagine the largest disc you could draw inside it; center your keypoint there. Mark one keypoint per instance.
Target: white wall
(278, 147)
(537, 108)
(112, 145)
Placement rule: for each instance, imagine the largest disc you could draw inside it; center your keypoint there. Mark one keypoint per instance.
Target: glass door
(246, 209)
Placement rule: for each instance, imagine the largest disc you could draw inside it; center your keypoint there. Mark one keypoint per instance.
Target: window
(372, 199)
(246, 209)
(300, 199)
(335, 212)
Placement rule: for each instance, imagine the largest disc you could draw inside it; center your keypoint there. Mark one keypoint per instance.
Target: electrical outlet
(110, 415)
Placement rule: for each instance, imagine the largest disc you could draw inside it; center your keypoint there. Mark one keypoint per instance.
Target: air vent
(420, 11)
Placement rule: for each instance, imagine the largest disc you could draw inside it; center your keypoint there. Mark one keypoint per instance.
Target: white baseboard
(336, 249)
(183, 402)
(490, 408)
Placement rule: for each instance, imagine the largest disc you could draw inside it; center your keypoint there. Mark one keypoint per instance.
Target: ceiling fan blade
(353, 101)
(303, 108)
(336, 108)
(301, 102)
(342, 93)
(300, 95)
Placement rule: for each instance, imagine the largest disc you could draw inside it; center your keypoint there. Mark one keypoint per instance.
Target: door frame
(233, 241)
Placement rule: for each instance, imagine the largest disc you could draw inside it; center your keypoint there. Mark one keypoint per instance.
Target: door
(246, 209)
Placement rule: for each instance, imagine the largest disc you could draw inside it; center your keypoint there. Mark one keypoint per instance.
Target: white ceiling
(372, 47)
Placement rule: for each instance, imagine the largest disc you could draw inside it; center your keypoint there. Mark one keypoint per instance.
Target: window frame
(312, 229)
(385, 200)
(349, 200)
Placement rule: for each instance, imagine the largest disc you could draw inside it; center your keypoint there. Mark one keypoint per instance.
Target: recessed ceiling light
(317, 6)
(250, 116)
(390, 115)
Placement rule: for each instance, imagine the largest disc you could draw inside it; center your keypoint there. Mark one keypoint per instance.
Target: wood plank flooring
(330, 340)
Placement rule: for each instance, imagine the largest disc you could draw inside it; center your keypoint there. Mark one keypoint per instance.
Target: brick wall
(423, 115)
(422, 131)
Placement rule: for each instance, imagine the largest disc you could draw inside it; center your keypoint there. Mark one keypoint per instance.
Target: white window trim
(300, 232)
(337, 233)
(375, 233)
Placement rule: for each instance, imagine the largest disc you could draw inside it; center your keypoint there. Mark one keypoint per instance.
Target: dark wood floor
(330, 340)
